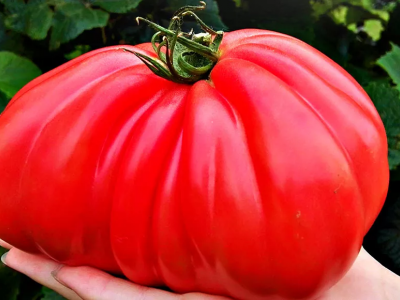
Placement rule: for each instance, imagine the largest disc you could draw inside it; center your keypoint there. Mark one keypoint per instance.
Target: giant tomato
(259, 182)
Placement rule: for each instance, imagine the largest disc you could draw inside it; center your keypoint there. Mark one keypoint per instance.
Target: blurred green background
(363, 36)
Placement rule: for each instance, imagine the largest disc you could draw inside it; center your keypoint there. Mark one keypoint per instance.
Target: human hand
(86, 283)
(366, 280)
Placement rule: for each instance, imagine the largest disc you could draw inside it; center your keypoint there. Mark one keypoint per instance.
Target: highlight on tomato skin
(247, 164)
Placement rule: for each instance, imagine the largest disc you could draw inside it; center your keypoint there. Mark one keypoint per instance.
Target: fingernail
(55, 272)
(3, 258)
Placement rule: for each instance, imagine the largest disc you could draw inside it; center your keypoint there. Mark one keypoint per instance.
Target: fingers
(92, 284)
(200, 296)
(86, 283)
(39, 269)
(5, 245)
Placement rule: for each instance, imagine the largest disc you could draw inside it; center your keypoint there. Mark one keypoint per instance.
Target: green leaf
(390, 62)
(238, 3)
(362, 75)
(321, 7)
(390, 240)
(9, 281)
(13, 6)
(117, 6)
(15, 72)
(387, 102)
(33, 19)
(389, 237)
(357, 14)
(348, 14)
(3, 101)
(374, 29)
(49, 294)
(72, 18)
(353, 13)
(9, 40)
(349, 11)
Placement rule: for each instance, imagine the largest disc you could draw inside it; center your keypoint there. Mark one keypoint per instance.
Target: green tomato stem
(188, 57)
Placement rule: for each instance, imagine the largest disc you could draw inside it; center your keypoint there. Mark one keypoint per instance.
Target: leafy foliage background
(363, 36)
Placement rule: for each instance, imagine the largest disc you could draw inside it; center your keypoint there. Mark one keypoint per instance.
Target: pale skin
(366, 280)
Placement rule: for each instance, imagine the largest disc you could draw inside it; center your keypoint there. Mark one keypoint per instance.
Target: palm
(366, 280)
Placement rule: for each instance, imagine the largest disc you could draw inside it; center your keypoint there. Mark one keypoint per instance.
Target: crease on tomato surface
(213, 128)
(171, 238)
(152, 141)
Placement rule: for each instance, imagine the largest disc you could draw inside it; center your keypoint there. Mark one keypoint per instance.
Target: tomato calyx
(187, 57)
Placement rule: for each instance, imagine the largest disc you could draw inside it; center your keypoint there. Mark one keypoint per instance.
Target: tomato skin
(259, 183)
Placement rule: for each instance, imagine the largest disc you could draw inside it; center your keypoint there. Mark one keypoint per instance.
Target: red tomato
(258, 183)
